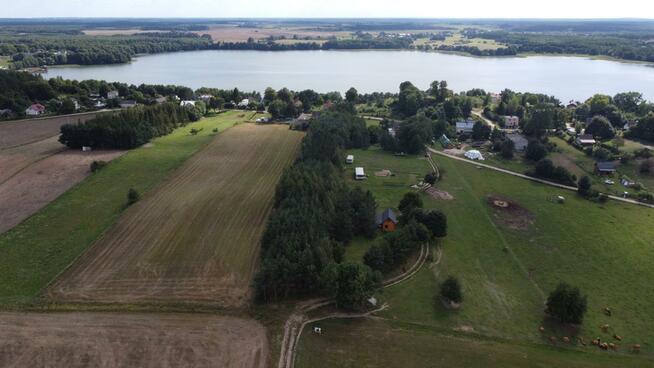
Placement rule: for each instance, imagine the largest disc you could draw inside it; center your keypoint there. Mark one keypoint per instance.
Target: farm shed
(387, 220)
(349, 159)
(605, 167)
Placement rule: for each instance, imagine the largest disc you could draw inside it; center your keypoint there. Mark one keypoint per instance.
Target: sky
(328, 8)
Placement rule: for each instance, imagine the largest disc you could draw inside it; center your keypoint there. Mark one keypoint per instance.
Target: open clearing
(15, 159)
(607, 250)
(229, 33)
(196, 238)
(55, 236)
(19, 132)
(40, 183)
(130, 340)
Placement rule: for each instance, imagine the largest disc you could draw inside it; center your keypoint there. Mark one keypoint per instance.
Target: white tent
(474, 155)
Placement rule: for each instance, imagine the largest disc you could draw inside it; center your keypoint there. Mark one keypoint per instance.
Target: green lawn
(607, 250)
(4, 61)
(369, 343)
(40, 248)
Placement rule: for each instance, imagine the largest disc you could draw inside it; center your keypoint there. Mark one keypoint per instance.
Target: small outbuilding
(359, 173)
(387, 221)
(586, 140)
(349, 159)
(605, 167)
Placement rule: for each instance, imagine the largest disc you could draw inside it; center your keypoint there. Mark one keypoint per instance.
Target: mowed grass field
(506, 271)
(33, 253)
(196, 238)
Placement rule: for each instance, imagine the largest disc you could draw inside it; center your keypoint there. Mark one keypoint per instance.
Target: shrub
(451, 290)
(645, 166)
(430, 178)
(567, 304)
(132, 196)
(97, 165)
(583, 186)
(535, 151)
(506, 149)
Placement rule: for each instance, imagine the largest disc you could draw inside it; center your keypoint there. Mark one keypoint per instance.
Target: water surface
(562, 76)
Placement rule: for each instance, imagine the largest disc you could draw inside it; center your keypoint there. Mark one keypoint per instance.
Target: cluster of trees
(644, 129)
(545, 169)
(125, 129)
(29, 50)
(567, 304)
(315, 215)
(285, 103)
(417, 226)
(476, 51)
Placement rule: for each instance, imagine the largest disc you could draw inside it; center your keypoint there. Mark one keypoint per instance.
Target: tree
(566, 304)
(277, 109)
(430, 178)
(506, 149)
(411, 201)
(269, 95)
(67, 106)
(536, 151)
(363, 213)
(216, 103)
(480, 131)
(451, 290)
(598, 103)
(132, 196)
(350, 284)
(601, 128)
(584, 185)
(435, 221)
(351, 95)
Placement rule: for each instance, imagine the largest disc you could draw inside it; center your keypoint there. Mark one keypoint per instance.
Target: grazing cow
(635, 348)
(581, 341)
(613, 346)
(566, 339)
(596, 342)
(541, 329)
(553, 339)
(607, 311)
(604, 328)
(617, 337)
(604, 346)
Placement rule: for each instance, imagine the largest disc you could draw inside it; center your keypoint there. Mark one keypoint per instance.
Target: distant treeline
(315, 212)
(30, 50)
(126, 129)
(636, 47)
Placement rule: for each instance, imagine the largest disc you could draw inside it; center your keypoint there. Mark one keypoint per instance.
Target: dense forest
(316, 214)
(31, 50)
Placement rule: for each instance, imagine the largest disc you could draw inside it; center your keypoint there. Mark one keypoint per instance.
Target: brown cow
(636, 348)
(553, 339)
(596, 342)
(566, 339)
(617, 337)
(541, 329)
(613, 346)
(604, 328)
(604, 346)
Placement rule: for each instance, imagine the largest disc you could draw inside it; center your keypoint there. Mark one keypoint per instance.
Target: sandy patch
(383, 173)
(439, 194)
(36, 185)
(130, 340)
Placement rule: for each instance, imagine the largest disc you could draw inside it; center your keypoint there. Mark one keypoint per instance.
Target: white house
(112, 94)
(465, 126)
(187, 103)
(511, 122)
(359, 174)
(206, 98)
(244, 103)
(586, 140)
(35, 110)
(349, 159)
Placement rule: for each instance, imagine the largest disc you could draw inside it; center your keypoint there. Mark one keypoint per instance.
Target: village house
(387, 221)
(605, 167)
(585, 140)
(127, 104)
(206, 98)
(244, 103)
(112, 94)
(35, 110)
(465, 126)
(511, 122)
(187, 103)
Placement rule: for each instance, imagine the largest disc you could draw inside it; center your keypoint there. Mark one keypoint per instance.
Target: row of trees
(315, 215)
(126, 129)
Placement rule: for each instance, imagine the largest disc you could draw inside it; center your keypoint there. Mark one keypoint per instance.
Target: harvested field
(130, 340)
(15, 159)
(510, 213)
(230, 33)
(19, 132)
(38, 183)
(195, 239)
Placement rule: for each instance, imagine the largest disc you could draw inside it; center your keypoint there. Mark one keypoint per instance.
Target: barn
(387, 221)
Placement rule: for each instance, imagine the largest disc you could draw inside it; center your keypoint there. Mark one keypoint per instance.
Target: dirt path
(298, 320)
(546, 182)
(482, 117)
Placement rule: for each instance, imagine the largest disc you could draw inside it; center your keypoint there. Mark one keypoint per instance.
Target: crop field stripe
(195, 238)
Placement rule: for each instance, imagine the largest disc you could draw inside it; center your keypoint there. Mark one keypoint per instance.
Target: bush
(600, 127)
(98, 165)
(567, 304)
(506, 149)
(536, 151)
(645, 166)
(132, 196)
(583, 186)
(451, 290)
(430, 178)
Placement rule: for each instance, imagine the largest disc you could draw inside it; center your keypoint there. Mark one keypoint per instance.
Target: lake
(564, 77)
